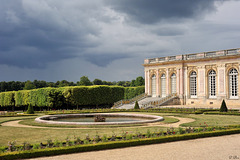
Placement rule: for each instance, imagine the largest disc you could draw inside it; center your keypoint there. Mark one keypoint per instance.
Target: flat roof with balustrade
(194, 56)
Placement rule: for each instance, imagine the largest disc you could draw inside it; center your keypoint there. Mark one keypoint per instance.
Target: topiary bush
(223, 107)
(30, 109)
(136, 105)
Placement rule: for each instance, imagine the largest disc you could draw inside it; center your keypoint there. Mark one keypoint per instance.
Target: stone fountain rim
(149, 118)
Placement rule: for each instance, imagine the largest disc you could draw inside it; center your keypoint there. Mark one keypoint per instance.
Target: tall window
(173, 83)
(212, 84)
(163, 85)
(193, 84)
(153, 86)
(233, 83)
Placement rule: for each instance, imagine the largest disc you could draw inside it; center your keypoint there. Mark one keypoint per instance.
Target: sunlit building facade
(200, 78)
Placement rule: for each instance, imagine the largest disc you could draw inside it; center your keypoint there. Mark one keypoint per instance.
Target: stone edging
(151, 118)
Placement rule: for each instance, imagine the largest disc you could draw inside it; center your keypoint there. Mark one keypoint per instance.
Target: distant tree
(132, 83)
(107, 83)
(29, 85)
(120, 83)
(3, 86)
(63, 83)
(97, 82)
(84, 81)
(40, 84)
(139, 81)
(127, 84)
(51, 84)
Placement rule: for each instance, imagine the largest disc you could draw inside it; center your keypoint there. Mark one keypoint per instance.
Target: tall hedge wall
(74, 96)
(131, 92)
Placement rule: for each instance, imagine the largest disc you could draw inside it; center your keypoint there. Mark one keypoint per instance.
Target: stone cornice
(191, 60)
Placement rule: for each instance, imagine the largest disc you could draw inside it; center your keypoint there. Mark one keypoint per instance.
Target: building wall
(183, 68)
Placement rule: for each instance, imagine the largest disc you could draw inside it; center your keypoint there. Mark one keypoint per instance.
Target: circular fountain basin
(88, 119)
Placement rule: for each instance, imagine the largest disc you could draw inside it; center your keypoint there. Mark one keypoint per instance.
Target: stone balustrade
(202, 55)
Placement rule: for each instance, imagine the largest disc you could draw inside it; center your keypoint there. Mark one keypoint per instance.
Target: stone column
(185, 91)
(201, 82)
(157, 84)
(148, 74)
(178, 81)
(167, 82)
(146, 83)
(221, 81)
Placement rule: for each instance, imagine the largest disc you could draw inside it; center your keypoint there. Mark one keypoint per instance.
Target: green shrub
(136, 105)
(131, 92)
(30, 109)
(223, 107)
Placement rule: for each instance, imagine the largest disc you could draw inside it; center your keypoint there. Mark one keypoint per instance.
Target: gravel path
(214, 148)
(181, 121)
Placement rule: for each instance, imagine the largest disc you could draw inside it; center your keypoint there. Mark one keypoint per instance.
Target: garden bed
(102, 142)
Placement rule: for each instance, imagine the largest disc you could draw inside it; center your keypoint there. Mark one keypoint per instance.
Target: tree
(132, 83)
(120, 83)
(84, 81)
(223, 107)
(30, 109)
(29, 85)
(136, 105)
(97, 82)
(139, 81)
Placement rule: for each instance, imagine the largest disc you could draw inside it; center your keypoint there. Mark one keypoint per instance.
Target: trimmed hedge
(224, 113)
(131, 92)
(57, 97)
(93, 95)
(112, 145)
(7, 98)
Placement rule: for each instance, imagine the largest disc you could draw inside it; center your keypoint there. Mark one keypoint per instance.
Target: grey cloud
(149, 12)
(33, 39)
(104, 60)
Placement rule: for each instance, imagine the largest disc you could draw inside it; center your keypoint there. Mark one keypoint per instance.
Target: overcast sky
(55, 40)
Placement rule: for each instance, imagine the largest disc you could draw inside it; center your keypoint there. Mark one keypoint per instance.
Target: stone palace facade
(198, 79)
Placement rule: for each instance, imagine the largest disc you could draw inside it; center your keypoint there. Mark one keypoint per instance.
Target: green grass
(211, 120)
(6, 119)
(37, 135)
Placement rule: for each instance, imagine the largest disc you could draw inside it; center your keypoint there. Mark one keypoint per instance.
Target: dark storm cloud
(32, 40)
(36, 33)
(154, 11)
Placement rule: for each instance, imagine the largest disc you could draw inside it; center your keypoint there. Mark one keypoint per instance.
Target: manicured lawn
(211, 120)
(37, 135)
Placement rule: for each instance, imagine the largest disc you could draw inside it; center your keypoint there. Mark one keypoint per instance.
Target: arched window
(233, 83)
(154, 86)
(163, 85)
(173, 83)
(212, 84)
(193, 84)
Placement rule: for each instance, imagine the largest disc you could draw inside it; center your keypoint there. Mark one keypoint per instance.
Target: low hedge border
(224, 113)
(113, 145)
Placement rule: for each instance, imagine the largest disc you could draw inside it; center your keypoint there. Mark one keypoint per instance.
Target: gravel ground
(214, 148)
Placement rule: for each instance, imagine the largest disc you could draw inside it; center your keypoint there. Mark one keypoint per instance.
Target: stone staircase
(146, 102)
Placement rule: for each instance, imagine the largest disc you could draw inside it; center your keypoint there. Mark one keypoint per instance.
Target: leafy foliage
(84, 81)
(30, 109)
(136, 105)
(131, 92)
(223, 107)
